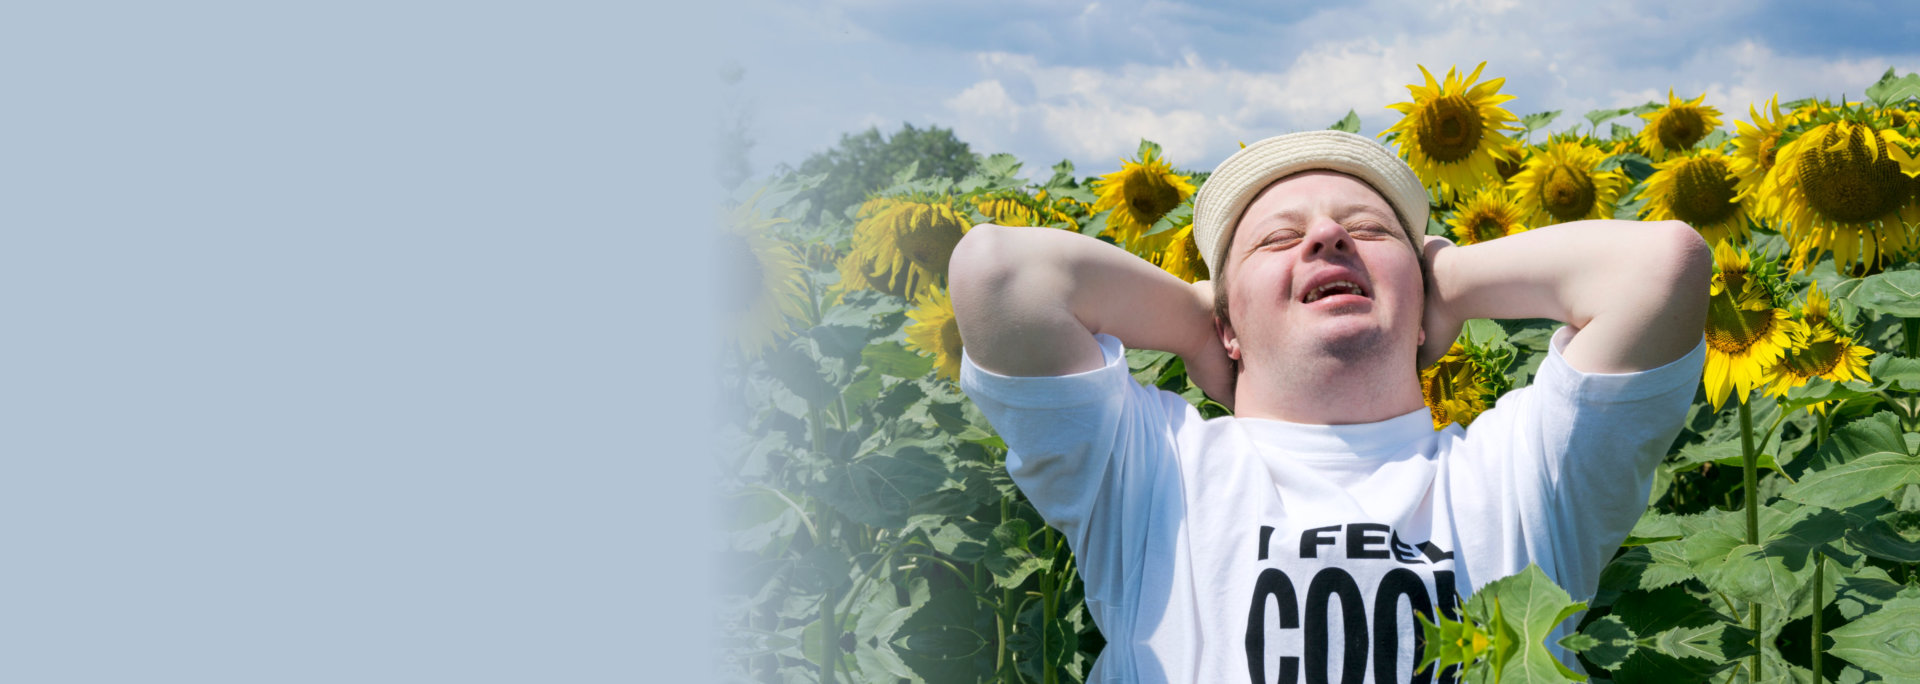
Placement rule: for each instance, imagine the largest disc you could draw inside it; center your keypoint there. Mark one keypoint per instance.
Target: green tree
(865, 162)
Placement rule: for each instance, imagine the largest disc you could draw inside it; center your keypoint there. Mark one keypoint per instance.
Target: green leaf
(1059, 637)
(1095, 224)
(1880, 529)
(1885, 642)
(864, 388)
(1656, 612)
(1821, 389)
(1808, 530)
(1875, 433)
(1000, 165)
(1008, 557)
(1180, 215)
(1619, 132)
(1866, 590)
(1718, 642)
(1350, 123)
(1528, 606)
(1880, 540)
(879, 616)
(1539, 120)
(880, 489)
(1646, 108)
(1452, 643)
(1897, 371)
(968, 487)
(1724, 452)
(1600, 116)
(895, 401)
(800, 374)
(1608, 642)
(1892, 90)
(1655, 526)
(1706, 551)
(1893, 293)
(822, 568)
(893, 358)
(1148, 147)
(1749, 574)
(1653, 566)
(1484, 331)
(950, 638)
(905, 175)
(1857, 481)
(1636, 166)
(1630, 204)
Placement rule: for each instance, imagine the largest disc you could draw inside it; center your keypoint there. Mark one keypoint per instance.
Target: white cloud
(987, 99)
(1197, 78)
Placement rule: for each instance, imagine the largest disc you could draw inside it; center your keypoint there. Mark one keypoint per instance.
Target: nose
(1327, 237)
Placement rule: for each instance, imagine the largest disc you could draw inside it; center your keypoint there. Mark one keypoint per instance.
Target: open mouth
(1332, 289)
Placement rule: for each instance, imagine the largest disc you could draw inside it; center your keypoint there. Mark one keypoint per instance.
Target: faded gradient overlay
(353, 342)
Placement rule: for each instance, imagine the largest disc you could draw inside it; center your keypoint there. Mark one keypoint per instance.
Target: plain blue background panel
(354, 342)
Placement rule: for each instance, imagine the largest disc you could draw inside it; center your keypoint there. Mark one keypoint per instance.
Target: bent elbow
(1685, 265)
(976, 256)
(1690, 257)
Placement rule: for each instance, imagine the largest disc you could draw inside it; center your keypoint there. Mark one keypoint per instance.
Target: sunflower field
(873, 534)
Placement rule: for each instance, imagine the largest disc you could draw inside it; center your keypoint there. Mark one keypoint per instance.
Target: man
(1298, 537)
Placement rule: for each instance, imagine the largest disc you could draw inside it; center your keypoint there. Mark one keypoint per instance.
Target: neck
(1328, 391)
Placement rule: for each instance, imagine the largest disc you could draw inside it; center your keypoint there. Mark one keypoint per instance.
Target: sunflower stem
(1819, 604)
(1750, 463)
(830, 637)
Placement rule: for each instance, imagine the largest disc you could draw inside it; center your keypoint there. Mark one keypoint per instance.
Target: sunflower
(1516, 156)
(1697, 187)
(1017, 209)
(1676, 127)
(1821, 348)
(902, 244)
(934, 332)
(768, 290)
(1007, 211)
(1755, 150)
(1174, 251)
(1746, 332)
(1463, 383)
(1841, 187)
(1068, 208)
(1490, 213)
(1451, 131)
(1139, 194)
(1563, 183)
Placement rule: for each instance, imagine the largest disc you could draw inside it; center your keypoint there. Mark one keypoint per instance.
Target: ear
(1228, 339)
(1423, 338)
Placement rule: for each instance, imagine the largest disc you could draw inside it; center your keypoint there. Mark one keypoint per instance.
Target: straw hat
(1227, 192)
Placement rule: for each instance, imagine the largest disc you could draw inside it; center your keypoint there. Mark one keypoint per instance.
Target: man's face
(1318, 266)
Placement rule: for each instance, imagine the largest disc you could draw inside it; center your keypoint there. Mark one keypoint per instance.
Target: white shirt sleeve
(1580, 453)
(1093, 452)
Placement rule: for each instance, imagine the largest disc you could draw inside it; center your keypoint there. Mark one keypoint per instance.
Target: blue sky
(1086, 80)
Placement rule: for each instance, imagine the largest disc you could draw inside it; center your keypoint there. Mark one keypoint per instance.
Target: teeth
(1321, 291)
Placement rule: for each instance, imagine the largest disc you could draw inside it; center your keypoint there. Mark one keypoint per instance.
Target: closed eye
(1284, 236)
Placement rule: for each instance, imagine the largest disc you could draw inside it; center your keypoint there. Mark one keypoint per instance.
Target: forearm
(1028, 301)
(1638, 287)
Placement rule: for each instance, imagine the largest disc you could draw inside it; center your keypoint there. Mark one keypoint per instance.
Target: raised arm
(1029, 300)
(1635, 292)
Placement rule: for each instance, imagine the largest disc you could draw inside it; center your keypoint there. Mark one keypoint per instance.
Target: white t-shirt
(1246, 549)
